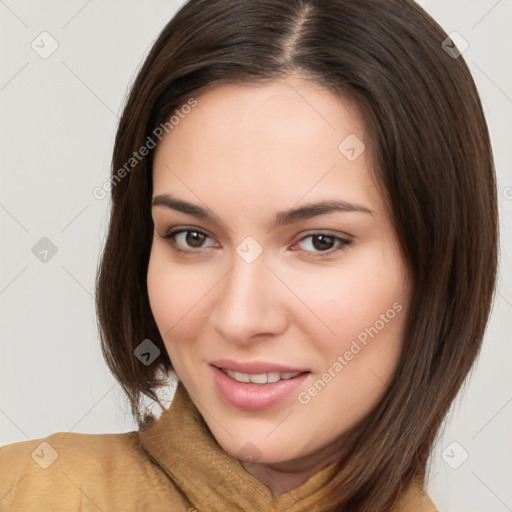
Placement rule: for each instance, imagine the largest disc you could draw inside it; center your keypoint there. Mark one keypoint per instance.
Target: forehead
(260, 145)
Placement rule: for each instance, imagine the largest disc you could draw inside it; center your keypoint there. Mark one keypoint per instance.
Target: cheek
(175, 295)
(352, 298)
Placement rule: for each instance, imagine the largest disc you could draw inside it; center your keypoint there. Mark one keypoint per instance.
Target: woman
(293, 186)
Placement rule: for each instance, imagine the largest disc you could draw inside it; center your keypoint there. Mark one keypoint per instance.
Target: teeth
(240, 377)
(259, 378)
(273, 377)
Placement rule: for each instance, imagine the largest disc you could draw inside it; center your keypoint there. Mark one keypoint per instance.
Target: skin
(246, 152)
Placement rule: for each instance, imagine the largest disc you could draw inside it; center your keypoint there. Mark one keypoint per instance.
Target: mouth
(252, 391)
(259, 378)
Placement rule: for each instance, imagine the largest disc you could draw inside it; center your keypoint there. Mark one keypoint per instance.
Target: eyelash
(343, 242)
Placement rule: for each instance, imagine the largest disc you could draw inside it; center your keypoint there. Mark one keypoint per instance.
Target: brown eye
(186, 240)
(323, 242)
(195, 238)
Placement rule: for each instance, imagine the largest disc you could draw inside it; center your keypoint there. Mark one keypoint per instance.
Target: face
(305, 303)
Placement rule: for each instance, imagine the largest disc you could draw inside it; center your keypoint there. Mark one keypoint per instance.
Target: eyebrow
(285, 217)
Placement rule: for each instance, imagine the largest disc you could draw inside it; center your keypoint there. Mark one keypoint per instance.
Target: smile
(259, 378)
(256, 391)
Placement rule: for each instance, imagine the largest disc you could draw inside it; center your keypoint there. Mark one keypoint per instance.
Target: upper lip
(255, 367)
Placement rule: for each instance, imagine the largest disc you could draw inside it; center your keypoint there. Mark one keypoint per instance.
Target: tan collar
(181, 443)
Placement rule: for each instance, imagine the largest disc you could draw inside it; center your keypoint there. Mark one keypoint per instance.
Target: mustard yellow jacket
(174, 466)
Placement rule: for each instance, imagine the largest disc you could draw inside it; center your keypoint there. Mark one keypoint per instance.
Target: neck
(282, 477)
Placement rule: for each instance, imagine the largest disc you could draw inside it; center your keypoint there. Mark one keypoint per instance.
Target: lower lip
(255, 397)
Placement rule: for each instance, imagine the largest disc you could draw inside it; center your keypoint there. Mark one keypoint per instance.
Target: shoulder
(414, 499)
(65, 470)
(61, 450)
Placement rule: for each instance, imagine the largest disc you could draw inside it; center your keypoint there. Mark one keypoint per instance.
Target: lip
(255, 367)
(255, 397)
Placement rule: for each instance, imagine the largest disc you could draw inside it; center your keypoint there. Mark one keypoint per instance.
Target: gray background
(58, 120)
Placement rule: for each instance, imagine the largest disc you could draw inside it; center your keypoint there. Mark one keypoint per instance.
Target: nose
(249, 303)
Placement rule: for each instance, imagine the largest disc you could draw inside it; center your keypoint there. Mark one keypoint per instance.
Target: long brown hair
(432, 158)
